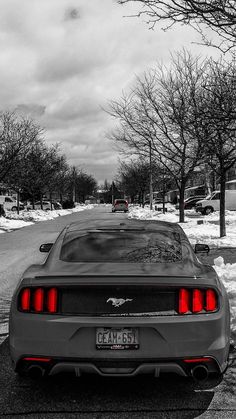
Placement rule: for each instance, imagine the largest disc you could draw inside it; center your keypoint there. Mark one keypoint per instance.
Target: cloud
(31, 109)
(62, 60)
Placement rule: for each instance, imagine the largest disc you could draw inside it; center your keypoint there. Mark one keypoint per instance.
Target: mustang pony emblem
(117, 302)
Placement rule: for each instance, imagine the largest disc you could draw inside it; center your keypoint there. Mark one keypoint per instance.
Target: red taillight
(52, 300)
(39, 300)
(25, 299)
(35, 358)
(197, 301)
(211, 300)
(184, 301)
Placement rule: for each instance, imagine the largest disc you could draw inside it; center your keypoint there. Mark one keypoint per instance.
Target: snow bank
(207, 232)
(14, 221)
(227, 274)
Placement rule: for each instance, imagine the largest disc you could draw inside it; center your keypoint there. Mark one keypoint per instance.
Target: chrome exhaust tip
(200, 373)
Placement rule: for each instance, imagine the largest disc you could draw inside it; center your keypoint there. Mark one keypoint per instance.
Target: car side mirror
(46, 247)
(201, 248)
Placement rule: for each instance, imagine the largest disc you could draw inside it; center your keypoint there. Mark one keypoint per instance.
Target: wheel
(208, 210)
(14, 209)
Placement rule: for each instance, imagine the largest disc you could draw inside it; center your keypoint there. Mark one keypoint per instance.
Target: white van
(9, 203)
(212, 203)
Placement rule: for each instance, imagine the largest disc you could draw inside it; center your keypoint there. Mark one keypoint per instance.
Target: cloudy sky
(61, 61)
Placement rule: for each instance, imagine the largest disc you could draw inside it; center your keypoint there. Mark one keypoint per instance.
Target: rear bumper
(164, 342)
(110, 367)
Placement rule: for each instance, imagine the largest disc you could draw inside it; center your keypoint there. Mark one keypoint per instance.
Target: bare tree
(16, 137)
(134, 178)
(218, 15)
(219, 123)
(163, 110)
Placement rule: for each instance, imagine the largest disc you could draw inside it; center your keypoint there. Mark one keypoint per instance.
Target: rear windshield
(122, 246)
(120, 201)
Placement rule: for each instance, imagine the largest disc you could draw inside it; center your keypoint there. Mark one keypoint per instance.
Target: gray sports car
(120, 300)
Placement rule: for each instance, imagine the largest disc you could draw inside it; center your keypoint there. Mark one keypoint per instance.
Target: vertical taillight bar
(197, 301)
(38, 300)
(52, 300)
(184, 301)
(25, 299)
(211, 300)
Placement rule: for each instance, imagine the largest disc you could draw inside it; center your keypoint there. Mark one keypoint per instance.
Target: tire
(14, 209)
(208, 210)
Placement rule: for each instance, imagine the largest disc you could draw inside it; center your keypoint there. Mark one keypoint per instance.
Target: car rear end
(120, 205)
(153, 308)
(115, 325)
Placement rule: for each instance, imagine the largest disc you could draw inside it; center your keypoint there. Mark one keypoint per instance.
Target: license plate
(110, 338)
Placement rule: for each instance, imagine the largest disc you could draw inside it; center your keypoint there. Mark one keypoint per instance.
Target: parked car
(190, 202)
(120, 299)
(37, 205)
(120, 205)
(9, 203)
(212, 203)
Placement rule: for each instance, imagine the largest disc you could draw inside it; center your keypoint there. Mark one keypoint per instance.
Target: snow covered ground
(13, 221)
(207, 232)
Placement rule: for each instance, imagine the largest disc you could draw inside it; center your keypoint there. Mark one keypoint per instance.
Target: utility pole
(150, 175)
(74, 177)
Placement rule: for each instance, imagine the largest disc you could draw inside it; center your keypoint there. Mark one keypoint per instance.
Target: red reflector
(37, 359)
(52, 300)
(184, 301)
(38, 299)
(197, 360)
(197, 303)
(211, 300)
(25, 299)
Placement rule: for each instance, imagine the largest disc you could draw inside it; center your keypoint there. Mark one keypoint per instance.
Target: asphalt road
(91, 396)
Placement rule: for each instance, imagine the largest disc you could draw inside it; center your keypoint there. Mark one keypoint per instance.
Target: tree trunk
(41, 201)
(50, 199)
(150, 177)
(207, 180)
(18, 202)
(163, 201)
(181, 202)
(222, 203)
